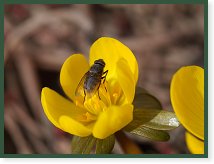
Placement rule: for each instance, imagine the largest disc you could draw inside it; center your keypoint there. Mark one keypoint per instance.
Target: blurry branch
(36, 127)
(29, 81)
(16, 134)
(34, 135)
(49, 59)
(40, 19)
(158, 41)
(39, 146)
(20, 115)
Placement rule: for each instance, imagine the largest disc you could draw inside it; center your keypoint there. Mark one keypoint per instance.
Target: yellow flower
(95, 116)
(187, 97)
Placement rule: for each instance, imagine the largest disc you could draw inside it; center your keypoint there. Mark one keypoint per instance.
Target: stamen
(87, 117)
(115, 97)
(117, 94)
(94, 105)
(89, 105)
(121, 99)
(105, 97)
(108, 96)
(102, 105)
(79, 103)
(90, 117)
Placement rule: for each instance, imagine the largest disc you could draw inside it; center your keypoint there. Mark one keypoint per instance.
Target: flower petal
(111, 50)
(72, 72)
(125, 79)
(187, 96)
(112, 120)
(63, 113)
(194, 144)
(73, 127)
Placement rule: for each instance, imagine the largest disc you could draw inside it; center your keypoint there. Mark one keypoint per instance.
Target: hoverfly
(90, 82)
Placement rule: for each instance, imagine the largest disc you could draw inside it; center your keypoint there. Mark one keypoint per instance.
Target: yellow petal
(126, 79)
(111, 50)
(72, 72)
(194, 144)
(112, 120)
(187, 97)
(63, 113)
(73, 127)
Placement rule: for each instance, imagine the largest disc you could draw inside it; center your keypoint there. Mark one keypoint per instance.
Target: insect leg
(98, 90)
(104, 77)
(84, 96)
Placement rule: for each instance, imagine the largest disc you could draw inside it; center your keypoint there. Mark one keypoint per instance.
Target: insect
(90, 82)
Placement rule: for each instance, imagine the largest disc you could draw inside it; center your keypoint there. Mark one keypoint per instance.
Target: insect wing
(80, 88)
(94, 91)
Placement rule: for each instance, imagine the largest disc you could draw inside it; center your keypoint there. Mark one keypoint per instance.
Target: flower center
(109, 93)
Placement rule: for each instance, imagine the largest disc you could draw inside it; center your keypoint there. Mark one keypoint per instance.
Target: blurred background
(38, 38)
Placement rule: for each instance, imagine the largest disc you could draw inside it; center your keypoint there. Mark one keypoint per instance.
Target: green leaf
(154, 119)
(145, 100)
(105, 146)
(82, 145)
(149, 120)
(140, 117)
(156, 135)
(164, 120)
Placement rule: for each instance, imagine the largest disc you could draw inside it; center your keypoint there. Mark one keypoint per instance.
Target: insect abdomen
(91, 83)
